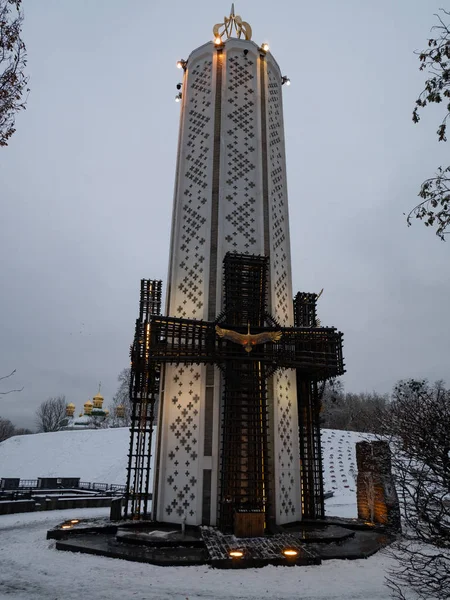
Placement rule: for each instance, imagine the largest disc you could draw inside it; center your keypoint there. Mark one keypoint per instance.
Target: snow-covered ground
(30, 567)
(95, 455)
(100, 456)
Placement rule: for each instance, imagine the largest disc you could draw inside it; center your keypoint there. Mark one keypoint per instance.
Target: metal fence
(30, 484)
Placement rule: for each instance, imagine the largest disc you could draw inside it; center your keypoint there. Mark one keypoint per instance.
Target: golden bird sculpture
(248, 340)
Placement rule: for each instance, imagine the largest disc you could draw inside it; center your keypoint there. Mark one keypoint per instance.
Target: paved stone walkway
(269, 548)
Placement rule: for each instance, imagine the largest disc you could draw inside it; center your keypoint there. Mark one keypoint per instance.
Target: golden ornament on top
(242, 28)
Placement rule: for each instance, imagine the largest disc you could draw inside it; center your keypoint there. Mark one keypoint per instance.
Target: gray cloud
(87, 181)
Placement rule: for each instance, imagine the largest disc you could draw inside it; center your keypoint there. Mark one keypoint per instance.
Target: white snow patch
(100, 456)
(31, 569)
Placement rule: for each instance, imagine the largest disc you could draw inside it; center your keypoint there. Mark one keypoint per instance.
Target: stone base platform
(161, 544)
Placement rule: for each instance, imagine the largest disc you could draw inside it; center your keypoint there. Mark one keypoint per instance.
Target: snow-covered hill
(100, 456)
(95, 455)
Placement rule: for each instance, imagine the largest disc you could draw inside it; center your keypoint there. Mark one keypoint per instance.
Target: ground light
(236, 554)
(290, 553)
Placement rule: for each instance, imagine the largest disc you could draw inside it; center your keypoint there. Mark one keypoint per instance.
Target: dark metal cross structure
(315, 352)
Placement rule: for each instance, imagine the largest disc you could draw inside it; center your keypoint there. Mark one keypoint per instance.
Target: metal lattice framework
(244, 452)
(315, 353)
(313, 507)
(144, 389)
(312, 351)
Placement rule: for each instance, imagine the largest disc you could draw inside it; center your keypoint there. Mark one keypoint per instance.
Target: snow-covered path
(30, 568)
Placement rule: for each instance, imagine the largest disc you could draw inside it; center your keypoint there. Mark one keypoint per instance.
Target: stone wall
(376, 494)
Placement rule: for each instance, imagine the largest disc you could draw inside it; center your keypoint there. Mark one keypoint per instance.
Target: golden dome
(120, 411)
(98, 400)
(70, 409)
(88, 407)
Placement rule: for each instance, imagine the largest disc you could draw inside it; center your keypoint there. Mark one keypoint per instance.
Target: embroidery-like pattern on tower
(278, 204)
(239, 130)
(286, 459)
(285, 381)
(181, 472)
(195, 204)
(183, 387)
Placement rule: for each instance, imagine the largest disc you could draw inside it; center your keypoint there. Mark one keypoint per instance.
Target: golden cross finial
(242, 28)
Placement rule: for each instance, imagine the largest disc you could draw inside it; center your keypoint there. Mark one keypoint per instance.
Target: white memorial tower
(230, 196)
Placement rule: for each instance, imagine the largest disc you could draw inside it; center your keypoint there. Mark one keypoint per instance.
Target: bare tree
(6, 429)
(349, 411)
(13, 82)
(22, 431)
(9, 391)
(434, 209)
(121, 398)
(417, 423)
(50, 414)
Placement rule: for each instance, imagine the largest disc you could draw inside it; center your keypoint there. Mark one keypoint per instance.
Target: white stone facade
(230, 195)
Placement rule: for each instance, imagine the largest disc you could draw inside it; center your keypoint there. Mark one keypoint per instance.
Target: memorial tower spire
(228, 420)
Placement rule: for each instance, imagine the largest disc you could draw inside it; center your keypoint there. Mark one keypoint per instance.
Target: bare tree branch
(417, 423)
(9, 391)
(434, 210)
(13, 82)
(50, 414)
(6, 376)
(7, 429)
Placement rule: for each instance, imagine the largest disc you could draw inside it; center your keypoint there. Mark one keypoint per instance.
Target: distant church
(92, 417)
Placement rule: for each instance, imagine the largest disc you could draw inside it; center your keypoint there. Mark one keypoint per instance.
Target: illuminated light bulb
(66, 526)
(75, 521)
(179, 64)
(290, 553)
(265, 47)
(236, 554)
(178, 97)
(218, 41)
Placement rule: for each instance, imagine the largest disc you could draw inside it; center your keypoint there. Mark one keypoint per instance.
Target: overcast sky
(86, 184)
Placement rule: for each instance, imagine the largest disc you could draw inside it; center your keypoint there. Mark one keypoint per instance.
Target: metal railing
(32, 484)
